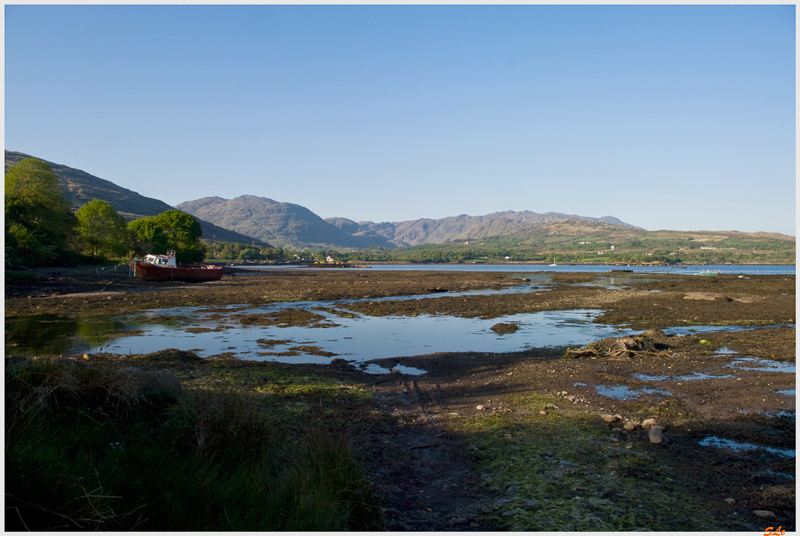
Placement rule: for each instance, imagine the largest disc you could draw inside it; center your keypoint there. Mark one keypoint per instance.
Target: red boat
(164, 268)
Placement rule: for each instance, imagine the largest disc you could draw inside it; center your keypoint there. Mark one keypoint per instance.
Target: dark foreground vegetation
(99, 446)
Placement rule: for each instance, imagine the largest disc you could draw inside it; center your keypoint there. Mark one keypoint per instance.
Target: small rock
(647, 423)
(531, 504)
(609, 418)
(512, 490)
(656, 434)
(766, 514)
(543, 412)
(617, 430)
(629, 426)
(480, 407)
(564, 393)
(614, 439)
(731, 501)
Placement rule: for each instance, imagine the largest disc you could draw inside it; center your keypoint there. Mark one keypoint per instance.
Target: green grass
(97, 447)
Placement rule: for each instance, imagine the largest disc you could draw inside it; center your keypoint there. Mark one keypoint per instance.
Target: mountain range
(258, 220)
(291, 225)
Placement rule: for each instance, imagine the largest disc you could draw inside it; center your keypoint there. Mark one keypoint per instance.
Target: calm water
(533, 268)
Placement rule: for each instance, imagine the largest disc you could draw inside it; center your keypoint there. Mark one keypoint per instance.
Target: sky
(667, 117)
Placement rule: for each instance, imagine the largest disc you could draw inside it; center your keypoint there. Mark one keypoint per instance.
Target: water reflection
(56, 334)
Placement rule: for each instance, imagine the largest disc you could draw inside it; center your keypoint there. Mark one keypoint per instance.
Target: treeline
(235, 251)
(42, 230)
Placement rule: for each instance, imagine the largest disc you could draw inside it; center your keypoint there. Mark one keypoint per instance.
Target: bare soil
(438, 445)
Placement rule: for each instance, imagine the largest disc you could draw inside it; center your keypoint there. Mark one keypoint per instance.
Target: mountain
(283, 224)
(81, 187)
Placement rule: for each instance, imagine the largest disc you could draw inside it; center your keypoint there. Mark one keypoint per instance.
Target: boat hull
(187, 274)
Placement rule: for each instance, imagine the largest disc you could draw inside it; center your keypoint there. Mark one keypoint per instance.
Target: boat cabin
(162, 260)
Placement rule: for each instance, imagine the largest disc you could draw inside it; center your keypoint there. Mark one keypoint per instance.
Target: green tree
(39, 221)
(102, 230)
(172, 229)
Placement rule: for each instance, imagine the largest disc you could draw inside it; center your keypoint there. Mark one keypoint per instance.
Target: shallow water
(729, 444)
(533, 268)
(364, 338)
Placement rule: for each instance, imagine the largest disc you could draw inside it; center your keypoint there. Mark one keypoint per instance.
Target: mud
(517, 441)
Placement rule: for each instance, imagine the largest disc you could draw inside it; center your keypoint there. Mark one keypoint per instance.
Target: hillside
(81, 187)
(584, 241)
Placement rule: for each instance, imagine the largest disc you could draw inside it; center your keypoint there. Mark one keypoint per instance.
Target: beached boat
(165, 268)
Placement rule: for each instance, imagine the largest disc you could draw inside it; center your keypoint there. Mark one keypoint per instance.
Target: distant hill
(582, 241)
(291, 225)
(81, 187)
(283, 224)
(463, 227)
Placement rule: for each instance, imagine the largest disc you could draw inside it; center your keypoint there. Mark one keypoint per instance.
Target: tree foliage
(172, 229)
(103, 232)
(39, 221)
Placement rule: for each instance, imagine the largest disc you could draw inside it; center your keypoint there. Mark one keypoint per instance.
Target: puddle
(372, 368)
(725, 351)
(684, 378)
(622, 392)
(764, 365)
(721, 443)
(787, 392)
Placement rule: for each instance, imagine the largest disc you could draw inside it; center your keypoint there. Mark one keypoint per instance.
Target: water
(747, 269)
(729, 444)
(365, 338)
(622, 392)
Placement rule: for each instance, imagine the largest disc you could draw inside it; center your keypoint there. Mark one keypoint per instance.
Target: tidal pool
(364, 338)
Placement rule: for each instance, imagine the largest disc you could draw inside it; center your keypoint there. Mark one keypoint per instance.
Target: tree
(102, 230)
(172, 229)
(39, 221)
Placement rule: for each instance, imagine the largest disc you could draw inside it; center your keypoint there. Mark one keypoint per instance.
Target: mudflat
(695, 433)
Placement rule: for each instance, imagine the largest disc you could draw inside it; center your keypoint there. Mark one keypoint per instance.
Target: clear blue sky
(667, 117)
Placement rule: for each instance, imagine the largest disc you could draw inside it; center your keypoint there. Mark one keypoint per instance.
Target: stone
(609, 418)
(766, 514)
(617, 430)
(731, 501)
(656, 434)
(629, 426)
(543, 412)
(480, 407)
(647, 423)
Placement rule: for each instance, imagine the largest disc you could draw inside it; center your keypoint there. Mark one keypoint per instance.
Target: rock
(531, 504)
(731, 501)
(543, 412)
(617, 430)
(647, 423)
(512, 490)
(656, 434)
(609, 418)
(766, 514)
(480, 407)
(629, 426)
(504, 327)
